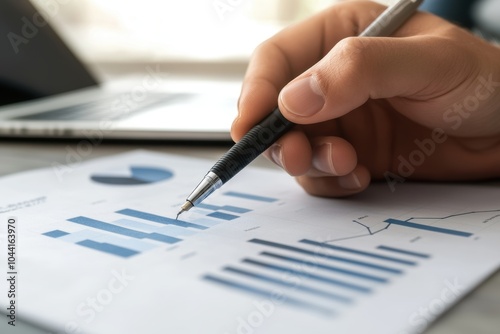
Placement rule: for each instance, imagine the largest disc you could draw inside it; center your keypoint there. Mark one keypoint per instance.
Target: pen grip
(255, 142)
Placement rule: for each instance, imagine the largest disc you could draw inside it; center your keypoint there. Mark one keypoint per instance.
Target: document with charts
(95, 248)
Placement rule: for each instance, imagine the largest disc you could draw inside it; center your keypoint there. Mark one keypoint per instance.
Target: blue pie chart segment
(135, 175)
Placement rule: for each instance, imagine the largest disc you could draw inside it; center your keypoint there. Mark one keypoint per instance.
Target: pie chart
(133, 175)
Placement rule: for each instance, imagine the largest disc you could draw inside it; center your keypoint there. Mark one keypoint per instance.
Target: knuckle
(347, 61)
(353, 49)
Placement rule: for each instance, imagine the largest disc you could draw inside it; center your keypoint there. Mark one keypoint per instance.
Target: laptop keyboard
(112, 108)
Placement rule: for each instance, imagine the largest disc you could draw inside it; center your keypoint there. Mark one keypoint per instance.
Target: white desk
(477, 313)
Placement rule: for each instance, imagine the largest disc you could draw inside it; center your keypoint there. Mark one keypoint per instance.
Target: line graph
(422, 223)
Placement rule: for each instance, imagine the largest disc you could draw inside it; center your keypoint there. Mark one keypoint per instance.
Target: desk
(477, 313)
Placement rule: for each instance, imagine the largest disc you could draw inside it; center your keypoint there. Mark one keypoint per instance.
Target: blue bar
(207, 222)
(358, 252)
(271, 295)
(172, 230)
(293, 286)
(329, 268)
(158, 219)
(163, 238)
(428, 228)
(230, 208)
(117, 240)
(108, 248)
(122, 230)
(200, 211)
(83, 235)
(307, 275)
(222, 215)
(235, 209)
(136, 225)
(208, 206)
(327, 256)
(251, 197)
(405, 252)
(131, 243)
(175, 231)
(55, 233)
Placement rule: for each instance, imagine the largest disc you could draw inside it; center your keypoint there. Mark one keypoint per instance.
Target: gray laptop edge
(46, 92)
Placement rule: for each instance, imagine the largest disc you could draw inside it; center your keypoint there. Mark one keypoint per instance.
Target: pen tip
(185, 207)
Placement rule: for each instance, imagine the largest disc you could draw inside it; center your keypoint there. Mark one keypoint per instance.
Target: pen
(271, 128)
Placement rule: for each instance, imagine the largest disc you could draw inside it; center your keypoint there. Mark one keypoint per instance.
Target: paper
(98, 251)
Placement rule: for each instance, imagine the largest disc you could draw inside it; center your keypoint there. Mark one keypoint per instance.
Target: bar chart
(135, 231)
(314, 276)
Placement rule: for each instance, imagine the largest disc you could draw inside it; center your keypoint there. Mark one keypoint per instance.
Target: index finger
(292, 51)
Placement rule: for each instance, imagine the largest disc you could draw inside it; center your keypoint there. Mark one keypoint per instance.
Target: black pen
(275, 125)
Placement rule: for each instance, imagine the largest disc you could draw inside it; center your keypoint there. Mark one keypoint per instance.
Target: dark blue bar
(293, 286)
(229, 208)
(303, 274)
(122, 230)
(222, 215)
(159, 219)
(251, 197)
(163, 238)
(108, 248)
(405, 252)
(235, 209)
(327, 256)
(55, 233)
(208, 206)
(358, 252)
(329, 268)
(428, 228)
(271, 295)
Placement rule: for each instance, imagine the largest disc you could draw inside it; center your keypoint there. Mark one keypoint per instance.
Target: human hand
(423, 104)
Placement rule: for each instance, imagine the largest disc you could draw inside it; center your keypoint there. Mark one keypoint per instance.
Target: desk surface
(479, 312)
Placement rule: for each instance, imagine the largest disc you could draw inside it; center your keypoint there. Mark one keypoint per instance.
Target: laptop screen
(34, 61)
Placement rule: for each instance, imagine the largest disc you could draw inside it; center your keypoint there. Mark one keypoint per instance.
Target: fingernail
(349, 182)
(277, 154)
(303, 97)
(322, 159)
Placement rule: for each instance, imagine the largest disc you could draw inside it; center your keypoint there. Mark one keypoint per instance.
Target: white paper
(382, 262)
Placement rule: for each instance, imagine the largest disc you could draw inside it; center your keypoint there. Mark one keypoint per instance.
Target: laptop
(47, 92)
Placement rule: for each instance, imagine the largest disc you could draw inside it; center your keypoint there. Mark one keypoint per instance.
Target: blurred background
(217, 34)
(143, 31)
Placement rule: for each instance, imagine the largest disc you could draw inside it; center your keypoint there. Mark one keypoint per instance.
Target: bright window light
(171, 30)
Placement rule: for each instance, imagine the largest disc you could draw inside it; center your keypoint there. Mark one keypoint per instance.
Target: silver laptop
(45, 91)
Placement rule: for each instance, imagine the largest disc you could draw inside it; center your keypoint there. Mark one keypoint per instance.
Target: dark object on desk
(456, 11)
(47, 92)
(482, 15)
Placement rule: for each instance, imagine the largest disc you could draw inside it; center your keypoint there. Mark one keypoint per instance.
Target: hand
(422, 105)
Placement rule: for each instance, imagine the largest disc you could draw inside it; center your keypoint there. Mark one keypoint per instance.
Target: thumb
(360, 68)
